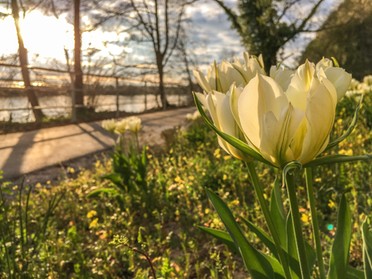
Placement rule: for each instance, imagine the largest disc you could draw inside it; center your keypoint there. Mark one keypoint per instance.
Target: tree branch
(232, 16)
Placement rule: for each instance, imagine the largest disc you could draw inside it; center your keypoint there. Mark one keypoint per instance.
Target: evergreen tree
(347, 36)
(264, 25)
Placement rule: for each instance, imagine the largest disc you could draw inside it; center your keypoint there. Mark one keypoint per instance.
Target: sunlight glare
(46, 35)
(8, 45)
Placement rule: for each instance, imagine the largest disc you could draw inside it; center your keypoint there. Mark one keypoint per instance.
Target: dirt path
(49, 151)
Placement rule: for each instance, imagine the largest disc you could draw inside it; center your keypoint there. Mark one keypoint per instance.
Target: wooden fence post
(117, 97)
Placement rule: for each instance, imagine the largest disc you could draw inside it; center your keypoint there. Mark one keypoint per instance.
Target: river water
(128, 103)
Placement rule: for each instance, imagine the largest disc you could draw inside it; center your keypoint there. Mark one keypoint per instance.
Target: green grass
(66, 230)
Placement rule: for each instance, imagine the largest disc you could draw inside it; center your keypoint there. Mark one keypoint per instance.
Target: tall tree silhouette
(262, 27)
(160, 22)
(23, 61)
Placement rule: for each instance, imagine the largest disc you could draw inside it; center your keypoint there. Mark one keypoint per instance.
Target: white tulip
(287, 116)
(287, 125)
(221, 76)
(218, 105)
(121, 126)
(109, 125)
(337, 76)
(134, 124)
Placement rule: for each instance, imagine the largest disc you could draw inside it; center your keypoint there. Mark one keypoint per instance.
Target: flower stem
(265, 209)
(314, 221)
(300, 243)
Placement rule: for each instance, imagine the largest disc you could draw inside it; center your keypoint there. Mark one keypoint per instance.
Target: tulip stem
(300, 243)
(264, 207)
(314, 221)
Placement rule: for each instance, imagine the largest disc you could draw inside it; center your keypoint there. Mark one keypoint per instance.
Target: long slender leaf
(353, 273)
(222, 236)
(332, 159)
(349, 129)
(367, 249)
(340, 249)
(293, 261)
(263, 236)
(276, 266)
(277, 212)
(225, 238)
(258, 266)
(291, 249)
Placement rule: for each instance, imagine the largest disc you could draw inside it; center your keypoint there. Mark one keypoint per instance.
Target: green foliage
(24, 230)
(367, 248)
(156, 202)
(338, 263)
(346, 35)
(128, 177)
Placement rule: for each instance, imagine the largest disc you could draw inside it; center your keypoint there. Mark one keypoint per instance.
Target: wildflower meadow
(269, 178)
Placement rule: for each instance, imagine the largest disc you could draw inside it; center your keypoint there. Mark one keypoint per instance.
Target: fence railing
(100, 86)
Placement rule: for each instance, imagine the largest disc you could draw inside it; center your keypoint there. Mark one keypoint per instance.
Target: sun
(46, 35)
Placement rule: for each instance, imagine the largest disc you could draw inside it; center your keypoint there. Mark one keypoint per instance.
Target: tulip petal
(340, 79)
(228, 75)
(320, 114)
(261, 106)
(300, 85)
(211, 104)
(234, 101)
(219, 108)
(227, 121)
(202, 81)
(281, 76)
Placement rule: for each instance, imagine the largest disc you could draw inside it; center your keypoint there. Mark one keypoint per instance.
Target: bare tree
(23, 60)
(160, 22)
(186, 57)
(266, 26)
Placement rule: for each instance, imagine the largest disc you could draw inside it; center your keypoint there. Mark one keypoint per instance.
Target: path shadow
(12, 165)
(97, 128)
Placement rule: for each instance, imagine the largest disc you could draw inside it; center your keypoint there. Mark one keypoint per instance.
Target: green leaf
(226, 239)
(222, 236)
(258, 265)
(263, 236)
(353, 273)
(96, 192)
(237, 143)
(331, 159)
(340, 249)
(277, 212)
(349, 129)
(367, 249)
(293, 261)
(276, 266)
(115, 178)
(292, 251)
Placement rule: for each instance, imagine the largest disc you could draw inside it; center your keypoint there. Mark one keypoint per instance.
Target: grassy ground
(154, 207)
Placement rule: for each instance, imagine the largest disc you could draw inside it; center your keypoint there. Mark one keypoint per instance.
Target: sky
(210, 38)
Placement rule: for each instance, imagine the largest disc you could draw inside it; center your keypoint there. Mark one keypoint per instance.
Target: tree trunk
(78, 80)
(163, 97)
(187, 67)
(23, 60)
